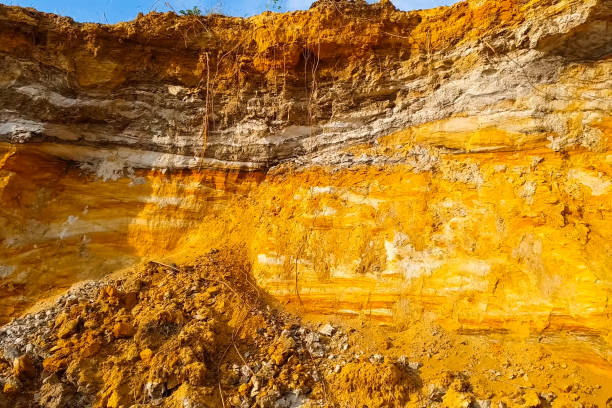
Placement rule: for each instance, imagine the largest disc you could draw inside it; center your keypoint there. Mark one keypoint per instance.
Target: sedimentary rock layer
(451, 164)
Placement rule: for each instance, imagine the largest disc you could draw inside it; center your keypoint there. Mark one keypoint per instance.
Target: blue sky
(112, 11)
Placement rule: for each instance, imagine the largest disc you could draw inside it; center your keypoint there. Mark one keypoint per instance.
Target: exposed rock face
(451, 164)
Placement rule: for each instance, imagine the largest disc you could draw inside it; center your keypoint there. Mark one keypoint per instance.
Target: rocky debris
(290, 400)
(146, 326)
(17, 338)
(282, 349)
(11, 385)
(414, 365)
(285, 363)
(314, 345)
(55, 393)
(135, 341)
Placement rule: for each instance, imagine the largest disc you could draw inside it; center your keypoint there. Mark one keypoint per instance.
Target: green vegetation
(195, 11)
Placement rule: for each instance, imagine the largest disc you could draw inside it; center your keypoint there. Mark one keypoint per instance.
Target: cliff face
(451, 165)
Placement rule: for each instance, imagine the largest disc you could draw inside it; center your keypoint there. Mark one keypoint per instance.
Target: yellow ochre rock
(123, 329)
(24, 367)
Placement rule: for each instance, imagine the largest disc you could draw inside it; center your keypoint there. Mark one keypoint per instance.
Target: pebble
(10, 387)
(327, 330)
(377, 358)
(256, 384)
(414, 365)
(245, 370)
(243, 389)
(146, 354)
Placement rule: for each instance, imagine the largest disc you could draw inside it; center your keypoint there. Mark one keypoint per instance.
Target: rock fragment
(327, 330)
(23, 367)
(123, 330)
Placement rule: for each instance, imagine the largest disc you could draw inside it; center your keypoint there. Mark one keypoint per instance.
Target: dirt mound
(199, 335)
(189, 336)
